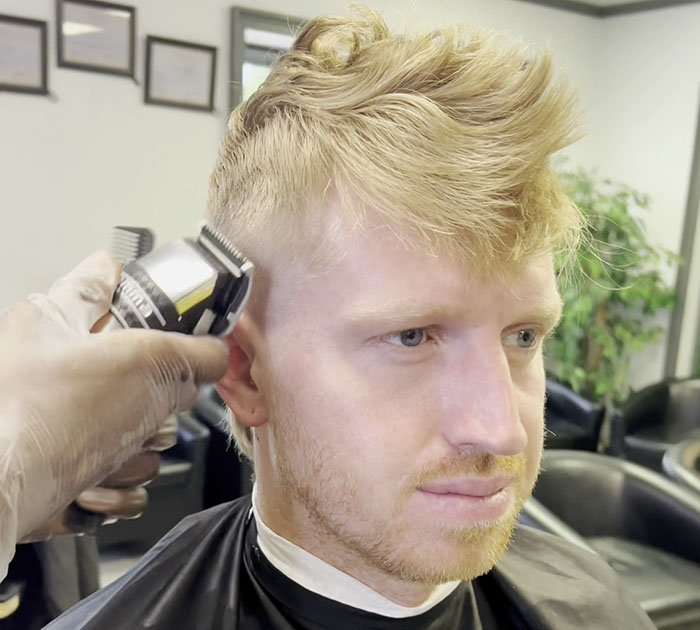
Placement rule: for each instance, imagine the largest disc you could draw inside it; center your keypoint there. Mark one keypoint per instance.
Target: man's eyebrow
(549, 311)
(397, 311)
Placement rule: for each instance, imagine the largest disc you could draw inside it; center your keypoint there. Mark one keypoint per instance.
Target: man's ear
(237, 387)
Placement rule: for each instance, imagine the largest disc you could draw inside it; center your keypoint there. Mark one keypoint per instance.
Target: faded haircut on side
(446, 135)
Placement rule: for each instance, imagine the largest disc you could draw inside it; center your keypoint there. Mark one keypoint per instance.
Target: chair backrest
(598, 495)
(584, 495)
(683, 411)
(646, 407)
(668, 410)
(572, 420)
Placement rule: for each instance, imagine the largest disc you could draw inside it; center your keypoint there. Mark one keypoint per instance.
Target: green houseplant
(611, 290)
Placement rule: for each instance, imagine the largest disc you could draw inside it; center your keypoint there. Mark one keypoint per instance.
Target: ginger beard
(356, 523)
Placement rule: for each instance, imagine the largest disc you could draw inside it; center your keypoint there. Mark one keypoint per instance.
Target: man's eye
(524, 338)
(407, 338)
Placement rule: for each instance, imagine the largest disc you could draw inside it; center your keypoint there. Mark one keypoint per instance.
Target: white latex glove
(74, 406)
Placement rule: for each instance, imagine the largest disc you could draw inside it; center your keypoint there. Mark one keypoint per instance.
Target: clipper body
(189, 286)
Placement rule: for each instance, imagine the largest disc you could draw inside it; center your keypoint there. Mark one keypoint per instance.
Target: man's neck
(318, 569)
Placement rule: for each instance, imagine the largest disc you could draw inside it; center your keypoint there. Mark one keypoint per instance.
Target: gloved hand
(75, 406)
(120, 495)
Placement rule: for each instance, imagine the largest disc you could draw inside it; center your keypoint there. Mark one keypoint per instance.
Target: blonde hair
(447, 135)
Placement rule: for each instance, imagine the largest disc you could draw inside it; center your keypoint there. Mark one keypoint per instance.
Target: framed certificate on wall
(96, 36)
(179, 74)
(23, 66)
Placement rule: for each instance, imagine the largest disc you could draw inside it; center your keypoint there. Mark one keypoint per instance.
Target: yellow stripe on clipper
(9, 607)
(186, 302)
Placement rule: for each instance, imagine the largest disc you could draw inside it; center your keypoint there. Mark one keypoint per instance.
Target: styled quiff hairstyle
(445, 135)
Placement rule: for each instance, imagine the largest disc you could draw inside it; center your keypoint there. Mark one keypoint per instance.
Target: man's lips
(467, 487)
(466, 501)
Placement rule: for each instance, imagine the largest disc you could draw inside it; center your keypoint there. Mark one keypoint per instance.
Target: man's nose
(480, 406)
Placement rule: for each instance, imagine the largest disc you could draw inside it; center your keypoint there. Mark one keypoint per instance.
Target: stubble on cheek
(307, 469)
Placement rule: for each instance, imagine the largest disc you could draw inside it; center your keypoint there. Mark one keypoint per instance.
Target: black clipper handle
(81, 521)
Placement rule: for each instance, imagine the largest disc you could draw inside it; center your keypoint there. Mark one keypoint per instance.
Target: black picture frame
(14, 53)
(102, 43)
(179, 74)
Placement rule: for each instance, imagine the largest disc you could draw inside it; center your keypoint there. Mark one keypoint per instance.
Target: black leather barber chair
(681, 462)
(655, 418)
(177, 490)
(571, 420)
(644, 525)
(227, 476)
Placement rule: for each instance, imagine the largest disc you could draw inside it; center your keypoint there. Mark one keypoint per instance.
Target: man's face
(405, 408)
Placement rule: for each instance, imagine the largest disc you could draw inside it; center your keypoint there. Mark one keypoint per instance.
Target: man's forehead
(375, 270)
(348, 231)
(452, 286)
(362, 257)
(349, 242)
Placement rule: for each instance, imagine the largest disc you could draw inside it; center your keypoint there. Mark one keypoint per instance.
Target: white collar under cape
(320, 577)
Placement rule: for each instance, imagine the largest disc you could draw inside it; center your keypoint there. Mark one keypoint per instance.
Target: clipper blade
(238, 292)
(218, 245)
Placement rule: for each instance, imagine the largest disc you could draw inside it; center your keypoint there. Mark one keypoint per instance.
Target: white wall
(98, 156)
(644, 120)
(643, 127)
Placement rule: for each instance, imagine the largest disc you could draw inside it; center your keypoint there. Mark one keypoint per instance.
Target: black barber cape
(209, 574)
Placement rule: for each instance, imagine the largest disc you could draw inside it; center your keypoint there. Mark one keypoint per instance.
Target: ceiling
(614, 3)
(607, 8)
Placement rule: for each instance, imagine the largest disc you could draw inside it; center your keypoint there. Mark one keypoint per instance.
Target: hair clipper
(193, 286)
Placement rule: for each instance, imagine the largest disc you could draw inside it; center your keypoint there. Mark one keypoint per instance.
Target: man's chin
(478, 550)
(461, 555)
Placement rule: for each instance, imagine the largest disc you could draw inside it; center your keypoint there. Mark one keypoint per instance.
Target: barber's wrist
(47, 473)
(10, 483)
